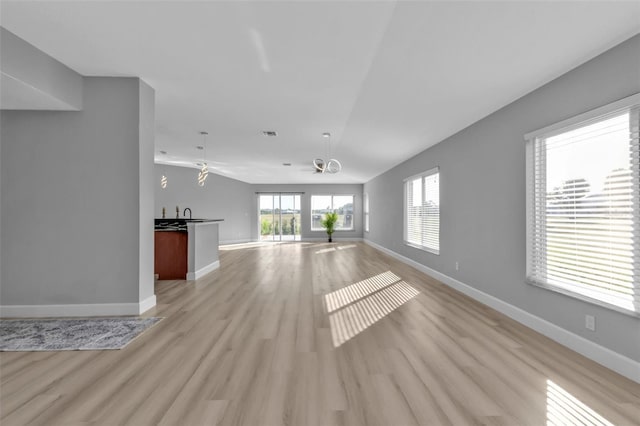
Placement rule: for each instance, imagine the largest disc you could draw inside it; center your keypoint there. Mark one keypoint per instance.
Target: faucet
(184, 213)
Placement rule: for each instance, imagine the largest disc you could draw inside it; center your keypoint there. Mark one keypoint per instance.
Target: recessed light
(163, 152)
(200, 147)
(286, 164)
(270, 133)
(326, 134)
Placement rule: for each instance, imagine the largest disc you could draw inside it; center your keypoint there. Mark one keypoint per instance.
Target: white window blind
(583, 208)
(422, 211)
(366, 212)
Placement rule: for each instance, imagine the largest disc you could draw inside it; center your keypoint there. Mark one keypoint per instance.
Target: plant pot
(330, 240)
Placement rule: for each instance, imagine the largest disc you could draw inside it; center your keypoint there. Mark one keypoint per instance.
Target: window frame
(280, 195)
(422, 176)
(573, 123)
(353, 219)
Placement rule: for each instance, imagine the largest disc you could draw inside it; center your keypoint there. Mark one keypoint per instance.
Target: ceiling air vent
(269, 133)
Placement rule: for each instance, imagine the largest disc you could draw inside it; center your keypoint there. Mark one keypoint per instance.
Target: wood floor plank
(254, 343)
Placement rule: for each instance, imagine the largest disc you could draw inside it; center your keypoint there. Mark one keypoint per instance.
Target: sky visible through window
(321, 202)
(416, 188)
(288, 203)
(591, 153)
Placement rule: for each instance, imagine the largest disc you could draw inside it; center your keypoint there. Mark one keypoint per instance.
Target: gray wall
(237, 202)
(32, 79)
(203, 245)
(1, 220)
(71, 199)
(309, 190)
(482, 190)
(145, 189)
(220, 198)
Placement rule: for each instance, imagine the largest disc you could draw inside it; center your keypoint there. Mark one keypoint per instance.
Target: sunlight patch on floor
(352, 318)
(349, 294)
(239, 246)
(327, 250)
(565, 409)
(330, 249)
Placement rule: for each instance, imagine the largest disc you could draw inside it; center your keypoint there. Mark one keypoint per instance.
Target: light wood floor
(254, 343)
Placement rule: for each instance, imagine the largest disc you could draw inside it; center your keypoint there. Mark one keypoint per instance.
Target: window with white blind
(366, 212)
(422, 211)
(583, 214)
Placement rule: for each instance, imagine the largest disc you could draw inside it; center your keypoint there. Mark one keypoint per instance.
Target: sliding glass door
(279, 216)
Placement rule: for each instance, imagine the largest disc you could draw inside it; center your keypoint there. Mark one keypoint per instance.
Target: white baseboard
(227, 242)
(147, 304)
(203, 271)
(77, 310)
(604, 356)
(306, 239)
(335, 239)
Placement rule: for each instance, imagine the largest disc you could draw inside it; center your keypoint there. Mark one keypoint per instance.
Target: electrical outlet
(590, 322)
(457, 266)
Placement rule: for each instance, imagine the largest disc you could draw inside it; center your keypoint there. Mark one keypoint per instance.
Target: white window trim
(584, 118)
(548, 131)
(424, 174)
(353, 220)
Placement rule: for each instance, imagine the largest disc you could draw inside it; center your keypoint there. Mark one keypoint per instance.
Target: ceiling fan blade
(319, 165)
(333, 166)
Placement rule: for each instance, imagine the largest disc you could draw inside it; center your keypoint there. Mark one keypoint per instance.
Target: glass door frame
(277, 218)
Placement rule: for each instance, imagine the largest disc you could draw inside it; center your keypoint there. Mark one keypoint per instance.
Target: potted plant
(329, 223)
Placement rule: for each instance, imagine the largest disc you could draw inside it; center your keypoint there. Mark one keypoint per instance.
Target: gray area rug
(77, 334)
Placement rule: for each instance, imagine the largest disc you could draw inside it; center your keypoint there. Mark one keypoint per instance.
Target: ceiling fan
(329, 166)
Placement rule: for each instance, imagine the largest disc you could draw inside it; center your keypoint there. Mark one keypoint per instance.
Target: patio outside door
(279, 217)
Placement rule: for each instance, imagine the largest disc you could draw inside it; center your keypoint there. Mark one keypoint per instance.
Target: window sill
(583, 298)
(423, 248)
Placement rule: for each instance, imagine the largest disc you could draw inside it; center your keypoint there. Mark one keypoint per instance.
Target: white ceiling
(387, 79)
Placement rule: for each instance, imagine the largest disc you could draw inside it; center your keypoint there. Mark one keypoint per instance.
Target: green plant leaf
(329, 222)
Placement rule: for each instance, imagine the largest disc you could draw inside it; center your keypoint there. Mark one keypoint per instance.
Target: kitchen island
(186, 248)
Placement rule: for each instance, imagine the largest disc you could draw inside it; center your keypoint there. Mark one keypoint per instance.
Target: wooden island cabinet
(171, 254)
(186, 249)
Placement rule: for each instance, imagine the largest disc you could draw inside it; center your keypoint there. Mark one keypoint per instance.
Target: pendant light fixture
(204, 171)
(163, 179)
(331, 166)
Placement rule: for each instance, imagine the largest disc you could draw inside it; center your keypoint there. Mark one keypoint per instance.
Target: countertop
(179, 224)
